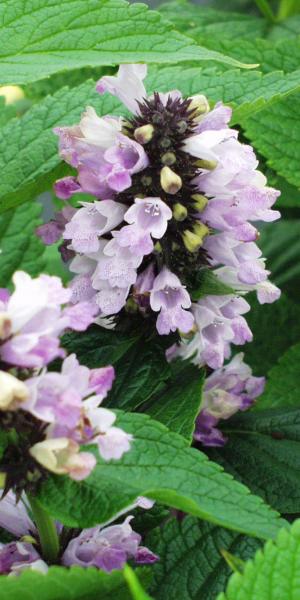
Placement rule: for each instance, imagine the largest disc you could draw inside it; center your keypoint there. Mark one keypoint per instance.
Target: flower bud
(201, 230)
(12, 391)
(5, 326)
(169, 158)
(144, 134)
(200, 202)
(170, 182)
(209, 165)
(179, 212)
(2, 480)
(157, 248)
(191, 241)
(199, 105)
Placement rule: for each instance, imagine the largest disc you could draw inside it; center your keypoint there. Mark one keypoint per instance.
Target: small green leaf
(191, 565)
(263, 451)
(273, 573)
(160, 466)
(208, 284)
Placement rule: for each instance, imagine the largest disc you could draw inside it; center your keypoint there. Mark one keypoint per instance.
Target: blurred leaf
(282, 389)
(275, 328)
(191, 565)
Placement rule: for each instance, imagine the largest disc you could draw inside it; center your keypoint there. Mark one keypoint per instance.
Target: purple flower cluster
(226, 391)
(176, 193)
(106, 547)
(53, 413)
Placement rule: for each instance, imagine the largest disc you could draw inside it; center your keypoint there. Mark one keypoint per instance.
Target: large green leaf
(191, 565)
(21, 249)
(263, 451)
(161, 466)
(67, 584)
(30, 162)
(274, 572)
(40, 39)
(282, 389)
(275, 328)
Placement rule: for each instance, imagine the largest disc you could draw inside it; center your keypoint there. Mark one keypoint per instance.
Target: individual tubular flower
(62, 456)
(33, 317)
(170, 298)
(191, 195)
(226, 391)
(107, 548)
(20, 556)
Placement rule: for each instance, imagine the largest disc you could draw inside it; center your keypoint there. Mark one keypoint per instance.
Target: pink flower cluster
(65, 405)
(176, 190)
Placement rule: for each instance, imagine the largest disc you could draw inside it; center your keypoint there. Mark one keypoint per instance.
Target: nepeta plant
(145, 444)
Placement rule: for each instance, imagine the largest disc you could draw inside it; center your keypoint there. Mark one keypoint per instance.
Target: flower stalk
(47, 531)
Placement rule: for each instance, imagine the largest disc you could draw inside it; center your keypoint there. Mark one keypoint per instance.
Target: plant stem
(47, 531)
(266, 10)
(286, 8)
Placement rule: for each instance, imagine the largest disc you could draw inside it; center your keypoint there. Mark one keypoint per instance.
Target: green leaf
(263, 451)
(21, 249)
(30, 162)
(275, 132)
(191, 565)
(60, 583)
(282, 389)
(178, 405)
(281, 244)
(45, 39)
(272, 331)
(159, 466)
(266, 10)
(273, 573)
(207, 283)
(208, 23)
(139, 361)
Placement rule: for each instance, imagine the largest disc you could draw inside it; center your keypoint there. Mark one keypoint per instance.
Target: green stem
(47, 531)
(286, 8)
(266, 10)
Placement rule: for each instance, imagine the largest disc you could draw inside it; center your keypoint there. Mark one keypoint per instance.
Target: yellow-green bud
(179, 212)
(11, 93)
(170, 182)
(144, 134)
(201, 230)
(199, 104)
(157, 248)
(2, 480)
(169, 158)
(131, 306)
(200, 202)
(210, 165)
(191, 241)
